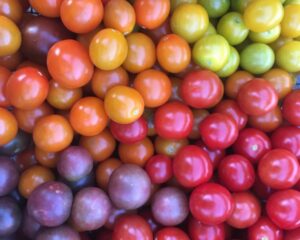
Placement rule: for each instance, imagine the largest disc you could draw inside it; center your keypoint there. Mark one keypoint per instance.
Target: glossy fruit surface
(8, 126)
(290, 108)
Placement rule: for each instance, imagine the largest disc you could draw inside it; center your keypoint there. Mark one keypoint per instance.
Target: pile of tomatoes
(149, 119)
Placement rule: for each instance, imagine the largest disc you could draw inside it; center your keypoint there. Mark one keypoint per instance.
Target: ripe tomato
(169, 147)
(267, 36)
(173, 120)
(4, 75)
(171, 233)
(47, 159)
(291, 108)
(8, 126)
(47, 8)
(287, 56)
(199, 115)
(232, 64)
(292, 234)
(290, 24)
(159, 168)
(201, 89)
(12, 9)
(215, 8)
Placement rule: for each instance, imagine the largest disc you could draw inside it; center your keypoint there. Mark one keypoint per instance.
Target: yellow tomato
(290, 25)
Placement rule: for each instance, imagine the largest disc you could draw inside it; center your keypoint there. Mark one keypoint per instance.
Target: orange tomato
(104, 171)
(235, 81)
(11, 9)
(8, 126)
(47, 8)
(47, 159)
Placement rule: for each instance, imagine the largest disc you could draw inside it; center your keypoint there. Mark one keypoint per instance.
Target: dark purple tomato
(173, 233)
(236, 173)
(115, 213)
(39, 34)
(9, 176)
(169, 206)
(90, 210)
(10, 216)
(30, 226)
(61, 232)
(291, 108)
(252, 144)
(129, 187)
(17, 145)
(159, 168)
(50, 203)
(218, 131)
(75, 163)
(130, 133)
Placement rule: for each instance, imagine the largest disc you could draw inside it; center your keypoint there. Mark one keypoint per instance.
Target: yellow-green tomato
(288, 56)
(211, 52)
(189, 21)
(175, 3)
(290, 25)
(210, 30)
(232, 27)
(215, 8)
(287, 2)
(257, 58)
(267, 36)
(239, 5)
(263, 15)
(232, 64)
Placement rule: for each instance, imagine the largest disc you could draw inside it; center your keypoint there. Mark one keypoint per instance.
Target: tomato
(157, 33)
(292, 234)
(232, 27)
(12, 9)
(169, 147)
(171, 233)
(120, 15)
(190, 21)
(218, 131)
(48, 8)
(215, 8)
(129, 133)
(159, 168)
(123, 104)
(211, 52)
(149, 116)
(283, 208)
(170, 60)
(199, 115)
(52, 133)
(8, 126)
(69, 64)
(290, 108)
(86, 38)
(267, 36)
(10, 36)
(211, 203)
(187, 159)
(260, 16)
(4, 75)
(26, 88)
(287, 56)
(47, 159)
(176, 3)
(291, 21)
(232, 64)
(252, 144)
(257, 58)
(11, 61)
(235, 81)
(154, 86)
(279, 169)
(211, 30)
(239, 5)
(173, 120)
(201, 89)
(108, 49)
(257, 97)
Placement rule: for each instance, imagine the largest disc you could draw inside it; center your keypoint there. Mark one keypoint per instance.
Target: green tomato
(211, 30)
(287, 2)
(215, 8)
(257, 58)
(239, 5)
(190, 21)
(211, 52)
(231, 26)
(232, 64)
(267, 36)
(288, 56)
(175, 3)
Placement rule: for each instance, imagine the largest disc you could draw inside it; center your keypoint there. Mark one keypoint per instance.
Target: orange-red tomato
(123, 104)
(26, 88)
(154, 86)
(69, 64)
(120, 15)
(52, 133)
(88, 117)
(41, 68)
(151, 14)
(103, 80)
(47, 8)
(4, 75)
(173, 53)
(8, 126)
(235, 81)
(141, 53)
(104, 171)
(11, 9)
(81, 16)
(47, 159)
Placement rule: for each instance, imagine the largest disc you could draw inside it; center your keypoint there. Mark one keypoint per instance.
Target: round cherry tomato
(69, 64)
(159, 168)
(12, 9)
(169, 147)
(232, 64)
(290, 24)
(47, 159)
(8, 126)
(210, 203)
(123, 104)
(287, 56)
(201, 89)
(218, 131)
(151, 14)
(48, 8)
(108, 49)
(215, 8)
(170, 60)
(252, 144)
(27, 88)
(4, 75)
(267, 36)
(290, 108)
(283, 208)
(171, 233)
(235, 81)
(173, 120)
(239, 5)
(257, 97)
(52, 133)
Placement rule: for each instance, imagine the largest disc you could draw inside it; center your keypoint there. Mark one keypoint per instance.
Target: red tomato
(236, 173)
(171, 233)
(201, 89)
(261, 190)
(159, 168)
(291, 108)
(218, 131)
(192, 166)
(173, 120)
(211, 203)
(257, 97)
(252, 144)
(283, 208)
(292, 234)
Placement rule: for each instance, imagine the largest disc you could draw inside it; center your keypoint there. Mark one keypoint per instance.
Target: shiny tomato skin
(218, 131)
(8, 126)
(173, 120)
(159, 168)
(291, 108)
(171, 233)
